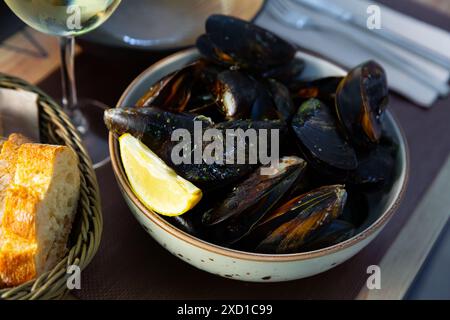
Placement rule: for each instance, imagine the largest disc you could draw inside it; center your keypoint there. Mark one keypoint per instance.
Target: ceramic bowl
(251, 266)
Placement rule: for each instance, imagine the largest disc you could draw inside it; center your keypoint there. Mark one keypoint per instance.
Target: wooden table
(151, 272)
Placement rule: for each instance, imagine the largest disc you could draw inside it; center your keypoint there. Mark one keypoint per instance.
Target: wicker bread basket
(56, 128)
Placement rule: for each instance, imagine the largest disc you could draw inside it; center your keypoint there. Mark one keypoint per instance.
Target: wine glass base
(87, 117)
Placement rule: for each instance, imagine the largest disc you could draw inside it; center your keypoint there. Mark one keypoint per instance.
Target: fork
(288, 14)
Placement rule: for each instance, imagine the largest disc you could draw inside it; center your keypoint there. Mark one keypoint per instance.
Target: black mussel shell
(263, 107)
(323, 146)
(333, 233)
(233, 218)
(212, 52)
(282, 100)
(151, 125)
(356, 209)
(375, 169)
(289, 227)
(288, 73)
(361, 99)
(246, 124)
(184, 223)
(236, 161)
(154, 127)
(236, 42)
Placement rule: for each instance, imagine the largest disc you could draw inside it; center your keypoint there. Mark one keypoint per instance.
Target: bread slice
(39, 209)
(8, 159)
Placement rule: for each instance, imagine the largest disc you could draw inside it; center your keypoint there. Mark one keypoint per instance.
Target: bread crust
(17, 261)
(26, 252)
(8, 160)
(10, 150)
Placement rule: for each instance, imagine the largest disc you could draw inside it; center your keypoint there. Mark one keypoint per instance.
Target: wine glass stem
(69, 94)
(69, 89)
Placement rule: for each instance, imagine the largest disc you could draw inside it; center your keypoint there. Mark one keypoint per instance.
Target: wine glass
(67, 19)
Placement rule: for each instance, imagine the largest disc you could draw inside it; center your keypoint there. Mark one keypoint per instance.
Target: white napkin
(348, 54)
(19, 113)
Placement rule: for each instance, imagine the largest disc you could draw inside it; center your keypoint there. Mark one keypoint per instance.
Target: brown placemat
(130, 265)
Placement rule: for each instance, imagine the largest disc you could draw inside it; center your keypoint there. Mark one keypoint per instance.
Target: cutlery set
(289, 13)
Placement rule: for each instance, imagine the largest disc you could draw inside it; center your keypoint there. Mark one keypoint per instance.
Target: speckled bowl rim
(236, 254)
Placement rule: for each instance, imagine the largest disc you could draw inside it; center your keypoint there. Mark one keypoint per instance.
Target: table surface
(130, 264)
(440, 5)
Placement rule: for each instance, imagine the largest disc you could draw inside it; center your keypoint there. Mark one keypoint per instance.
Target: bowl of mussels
(338, 160)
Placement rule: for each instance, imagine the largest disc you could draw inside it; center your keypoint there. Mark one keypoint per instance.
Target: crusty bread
(8, 159)
(39, 211)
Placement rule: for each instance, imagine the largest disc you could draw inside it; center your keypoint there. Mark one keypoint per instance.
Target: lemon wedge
(157, 185)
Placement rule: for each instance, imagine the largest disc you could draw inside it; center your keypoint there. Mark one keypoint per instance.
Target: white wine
(63, 17)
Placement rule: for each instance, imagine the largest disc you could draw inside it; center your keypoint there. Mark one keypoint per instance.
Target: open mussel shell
(320, 141)
(235, 42)
(240, 96)
(234, 217)
(361, 98)
(235, 93)
(288, 228)
(202, 99)
(173, 91)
